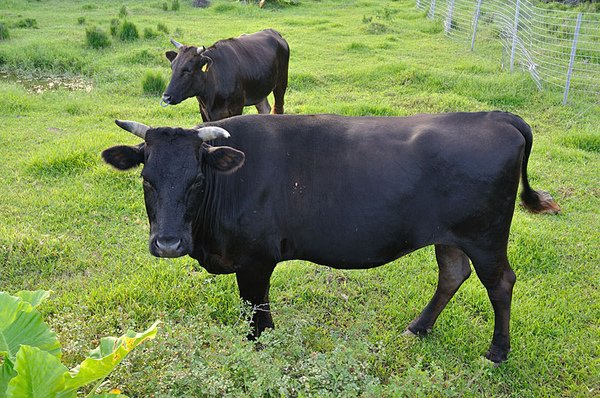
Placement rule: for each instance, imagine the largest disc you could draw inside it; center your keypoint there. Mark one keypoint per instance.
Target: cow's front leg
(254, 283)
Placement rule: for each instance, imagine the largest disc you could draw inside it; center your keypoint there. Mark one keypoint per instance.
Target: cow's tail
(532, 200)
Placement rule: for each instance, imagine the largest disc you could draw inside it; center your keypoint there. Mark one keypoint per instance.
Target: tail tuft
(539, 202)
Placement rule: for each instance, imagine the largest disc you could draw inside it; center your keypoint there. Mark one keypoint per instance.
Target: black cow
(346, 192)
(230, 74)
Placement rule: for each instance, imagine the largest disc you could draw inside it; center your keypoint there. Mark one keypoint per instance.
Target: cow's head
(176, 164)
(189, 68)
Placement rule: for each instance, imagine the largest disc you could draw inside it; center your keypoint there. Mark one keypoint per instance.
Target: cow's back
(351, 191)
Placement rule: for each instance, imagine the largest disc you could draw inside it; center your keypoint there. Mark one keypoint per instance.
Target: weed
(128, 32)
(175, 5)
(96, 38)
(149, 33)
(114, 26)
(165, 6)
(123, 12)
(153, 84)
(4, 32)
(30, 23)
(81, 20)
(162, 28)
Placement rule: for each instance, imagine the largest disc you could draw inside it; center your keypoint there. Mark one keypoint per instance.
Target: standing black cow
(230, 74)
(346, 192)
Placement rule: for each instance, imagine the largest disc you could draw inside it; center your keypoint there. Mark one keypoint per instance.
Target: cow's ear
(170, 55)
(224, 159)
(206, 63)
(124, 157)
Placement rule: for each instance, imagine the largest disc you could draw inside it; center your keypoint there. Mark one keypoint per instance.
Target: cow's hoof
(407, 332)
(496, 355)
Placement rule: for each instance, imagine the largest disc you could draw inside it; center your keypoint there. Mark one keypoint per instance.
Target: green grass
(71, 224)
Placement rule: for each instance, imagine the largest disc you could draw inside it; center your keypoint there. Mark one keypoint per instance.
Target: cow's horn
(135, 128)
(212, 132)
(200, 50)
(176, 43)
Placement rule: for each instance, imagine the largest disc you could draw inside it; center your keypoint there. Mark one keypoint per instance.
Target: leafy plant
(165, 7)
(153, 84)
(30, 353)
(81, 20)
(96, 37)
(128, 32)
(175, 5)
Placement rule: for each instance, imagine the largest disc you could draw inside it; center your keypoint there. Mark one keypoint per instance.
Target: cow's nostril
(168, 245)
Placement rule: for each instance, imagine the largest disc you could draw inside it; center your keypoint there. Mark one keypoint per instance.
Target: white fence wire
(558, 48)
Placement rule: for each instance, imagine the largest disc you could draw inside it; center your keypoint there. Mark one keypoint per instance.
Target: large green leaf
(103, 359)
(20, 323)
(39, 375)
(6, 374)
(33, 297)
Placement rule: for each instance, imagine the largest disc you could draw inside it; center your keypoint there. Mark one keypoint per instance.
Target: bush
(4, 34)
(114, 27)
(153, 84)
(175, 5)
(81, 20)
(96, 38)
(128, 32)
(162, 28)
(123, 12)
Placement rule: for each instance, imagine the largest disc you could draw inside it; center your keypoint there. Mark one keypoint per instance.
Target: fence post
(514, 41)
(475, 23)
(448, 22)
(572, 60)
(431, 13)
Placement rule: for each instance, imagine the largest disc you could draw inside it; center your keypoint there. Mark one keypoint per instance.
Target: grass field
(71, 224)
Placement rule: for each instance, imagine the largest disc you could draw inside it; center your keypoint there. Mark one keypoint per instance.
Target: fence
(558, 48)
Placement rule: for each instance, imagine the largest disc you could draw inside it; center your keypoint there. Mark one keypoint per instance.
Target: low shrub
(153, 84)
(96, 38)
(128, 32)
(4, 33)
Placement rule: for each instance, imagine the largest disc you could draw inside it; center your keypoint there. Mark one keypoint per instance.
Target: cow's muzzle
(168, 247)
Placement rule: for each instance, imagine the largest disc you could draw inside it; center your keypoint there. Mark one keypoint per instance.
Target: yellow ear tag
(204, 68)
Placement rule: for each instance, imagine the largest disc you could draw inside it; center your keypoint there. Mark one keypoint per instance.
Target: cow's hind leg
(254, 286)
(279, 92)
(263, 106)
(454, 269)
(498, 278)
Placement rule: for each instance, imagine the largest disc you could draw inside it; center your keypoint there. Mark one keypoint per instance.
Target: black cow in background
(230, 74)
(346, 192)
